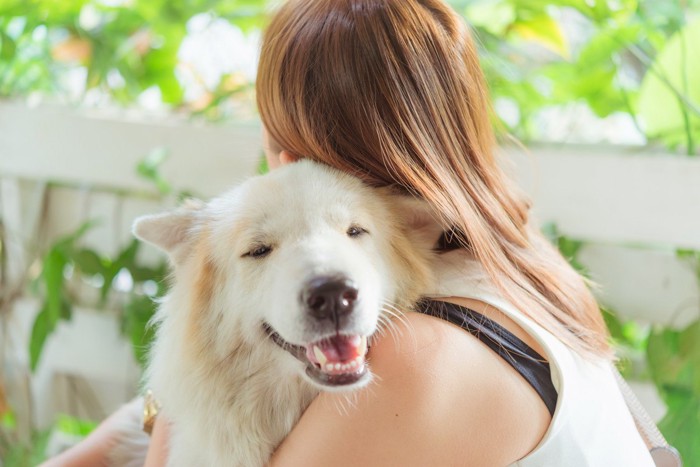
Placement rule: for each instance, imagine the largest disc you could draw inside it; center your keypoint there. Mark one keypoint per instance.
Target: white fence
(633, 209)
(619, 201)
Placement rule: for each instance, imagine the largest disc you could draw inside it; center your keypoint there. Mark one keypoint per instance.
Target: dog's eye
(356, 231)
(259, 252)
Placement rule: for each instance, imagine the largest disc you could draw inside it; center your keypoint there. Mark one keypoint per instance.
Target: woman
(392, 92)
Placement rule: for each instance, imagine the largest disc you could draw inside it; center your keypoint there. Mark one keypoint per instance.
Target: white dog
(277, 288)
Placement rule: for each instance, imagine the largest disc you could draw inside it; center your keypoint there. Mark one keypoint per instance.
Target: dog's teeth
(363, 346)
(329, 367)
(353, 363)
(320, 356)
(337, 366)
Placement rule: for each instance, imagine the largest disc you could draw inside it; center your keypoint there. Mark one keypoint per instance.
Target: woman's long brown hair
(392, 91)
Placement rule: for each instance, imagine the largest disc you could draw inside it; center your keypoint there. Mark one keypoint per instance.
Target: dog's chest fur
(224, 413)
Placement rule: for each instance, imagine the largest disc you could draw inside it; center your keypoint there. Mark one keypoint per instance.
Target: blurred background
(114, 108)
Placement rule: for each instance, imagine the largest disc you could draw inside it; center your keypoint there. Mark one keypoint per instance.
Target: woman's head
(352, 83)
(392, 91)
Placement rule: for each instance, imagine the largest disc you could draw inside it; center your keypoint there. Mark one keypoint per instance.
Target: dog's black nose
(330, 297)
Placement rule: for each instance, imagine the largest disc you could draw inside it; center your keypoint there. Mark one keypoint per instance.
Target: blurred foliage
(634, 57)
(630, 56)
(15, 453)
(673, 356)
(66, 261)
(19, 454)
(149, 168)
(122, 282)
(123, 47)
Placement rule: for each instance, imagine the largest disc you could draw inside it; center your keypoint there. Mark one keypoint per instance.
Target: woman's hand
(95, 449)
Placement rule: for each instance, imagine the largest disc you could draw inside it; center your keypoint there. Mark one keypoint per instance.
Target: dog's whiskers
(394, 312)
(393, 325)
(394, 320)
(386, 324)
(346, 402)
(340, 406)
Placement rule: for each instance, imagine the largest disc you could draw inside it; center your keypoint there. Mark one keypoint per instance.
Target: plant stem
(686, 118)
(646, 60)
(630, 110)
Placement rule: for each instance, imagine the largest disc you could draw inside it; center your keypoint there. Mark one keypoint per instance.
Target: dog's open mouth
(334, 361)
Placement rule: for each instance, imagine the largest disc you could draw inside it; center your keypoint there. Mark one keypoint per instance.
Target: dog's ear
(170, 231)
(421, 222)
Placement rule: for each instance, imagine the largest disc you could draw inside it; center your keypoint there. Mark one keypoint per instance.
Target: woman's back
(592, 424)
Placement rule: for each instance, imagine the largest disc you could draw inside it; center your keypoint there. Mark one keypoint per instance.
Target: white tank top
(591, 426)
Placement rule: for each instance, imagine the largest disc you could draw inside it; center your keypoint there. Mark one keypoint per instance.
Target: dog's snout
(330, 297)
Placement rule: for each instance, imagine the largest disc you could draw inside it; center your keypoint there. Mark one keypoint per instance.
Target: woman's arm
(440, 397)
(158, 449)
(94, 450)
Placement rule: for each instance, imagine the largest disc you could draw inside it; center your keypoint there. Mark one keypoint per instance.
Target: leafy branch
(65, 258)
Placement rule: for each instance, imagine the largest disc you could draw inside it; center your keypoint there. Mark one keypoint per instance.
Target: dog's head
(305, 259)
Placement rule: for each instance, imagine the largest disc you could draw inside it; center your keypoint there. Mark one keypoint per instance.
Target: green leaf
(493, 16)
(689, 349)
(150, 164)
(74, 426)
(593, 76)
(8, 47)
(54, 264)
(66, 243)
(44, 325)
(681, 426)
(614, 324)
(676, 70)
(66, 310)
(545, 31)
(569, 247)
(683, 253)
(144, 273)
(89, 262)
(665, 363)
(31, 454)
(159, 64)
(149, 168)
(137, 316)
(8, 421)
(262, 165)
(674, 361)
(550, 231)
(126, 259)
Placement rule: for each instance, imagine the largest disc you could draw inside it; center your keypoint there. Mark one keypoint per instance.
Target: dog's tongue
(338, 353)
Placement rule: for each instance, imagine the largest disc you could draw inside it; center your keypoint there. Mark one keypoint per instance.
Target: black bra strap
(517, 353)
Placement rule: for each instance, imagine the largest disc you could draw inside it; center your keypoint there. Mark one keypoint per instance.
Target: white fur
(232, 394)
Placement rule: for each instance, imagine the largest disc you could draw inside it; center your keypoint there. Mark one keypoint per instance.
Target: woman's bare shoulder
(439, 396)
